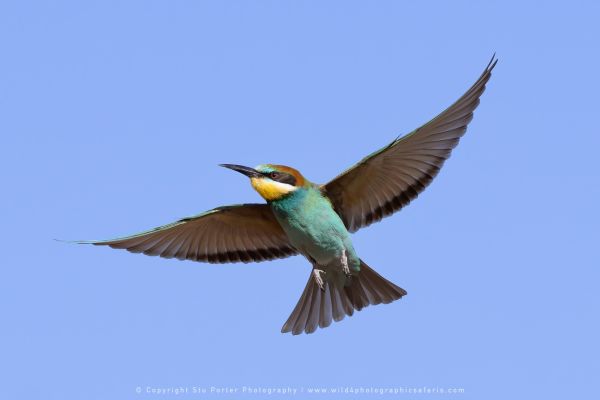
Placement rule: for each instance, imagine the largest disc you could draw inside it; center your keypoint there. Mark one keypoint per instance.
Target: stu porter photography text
(291, 390)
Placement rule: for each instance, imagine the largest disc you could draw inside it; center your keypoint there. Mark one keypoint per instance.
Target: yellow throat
(271, 190)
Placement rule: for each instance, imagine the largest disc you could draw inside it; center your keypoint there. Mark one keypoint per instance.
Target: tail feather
(312, 321)
(317, 307)
(372, 288)
(325, 314)
(340, 305)
(297, 320)
(368, 292)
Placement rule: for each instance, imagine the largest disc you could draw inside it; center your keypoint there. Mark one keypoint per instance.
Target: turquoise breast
(313, 227)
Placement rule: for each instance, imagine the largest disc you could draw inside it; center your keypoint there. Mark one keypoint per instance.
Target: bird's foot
(318, 278)
(345, 266)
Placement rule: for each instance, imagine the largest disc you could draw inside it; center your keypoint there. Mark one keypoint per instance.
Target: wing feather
(245, 232)
(389, 179)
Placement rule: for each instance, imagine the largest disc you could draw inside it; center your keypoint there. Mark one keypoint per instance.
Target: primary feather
(387, 180)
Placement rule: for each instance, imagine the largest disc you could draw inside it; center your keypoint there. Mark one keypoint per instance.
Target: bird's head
(272, 182)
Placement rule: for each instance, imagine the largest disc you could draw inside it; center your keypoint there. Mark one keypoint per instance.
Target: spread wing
(387, 180)
(245, 232)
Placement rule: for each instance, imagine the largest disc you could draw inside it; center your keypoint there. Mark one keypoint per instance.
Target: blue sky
(114, 116)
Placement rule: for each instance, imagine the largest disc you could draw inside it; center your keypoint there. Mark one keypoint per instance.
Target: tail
(317, 307)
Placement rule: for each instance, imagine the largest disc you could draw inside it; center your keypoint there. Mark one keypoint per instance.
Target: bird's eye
(274, 175)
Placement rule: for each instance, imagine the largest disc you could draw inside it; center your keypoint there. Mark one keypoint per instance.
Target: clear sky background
(115, 114)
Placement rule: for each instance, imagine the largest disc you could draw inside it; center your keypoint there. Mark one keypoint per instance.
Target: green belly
(314, 228)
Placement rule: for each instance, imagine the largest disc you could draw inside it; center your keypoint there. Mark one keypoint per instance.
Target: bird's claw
(345, 266)
(318, 278)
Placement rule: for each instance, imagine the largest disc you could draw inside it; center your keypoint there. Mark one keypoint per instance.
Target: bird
(300, 217)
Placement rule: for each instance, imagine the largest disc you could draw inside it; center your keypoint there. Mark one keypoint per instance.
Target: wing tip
(95, 242)
(492, 63)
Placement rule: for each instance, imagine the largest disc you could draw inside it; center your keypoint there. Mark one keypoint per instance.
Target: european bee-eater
(301, 217)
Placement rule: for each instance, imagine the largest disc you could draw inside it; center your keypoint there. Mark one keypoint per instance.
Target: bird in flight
(313, 220)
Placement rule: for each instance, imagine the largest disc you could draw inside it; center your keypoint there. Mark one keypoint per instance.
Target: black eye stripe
(283, 177)
(287, 178)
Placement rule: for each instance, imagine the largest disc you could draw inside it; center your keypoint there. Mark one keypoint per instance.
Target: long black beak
(249, 172)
